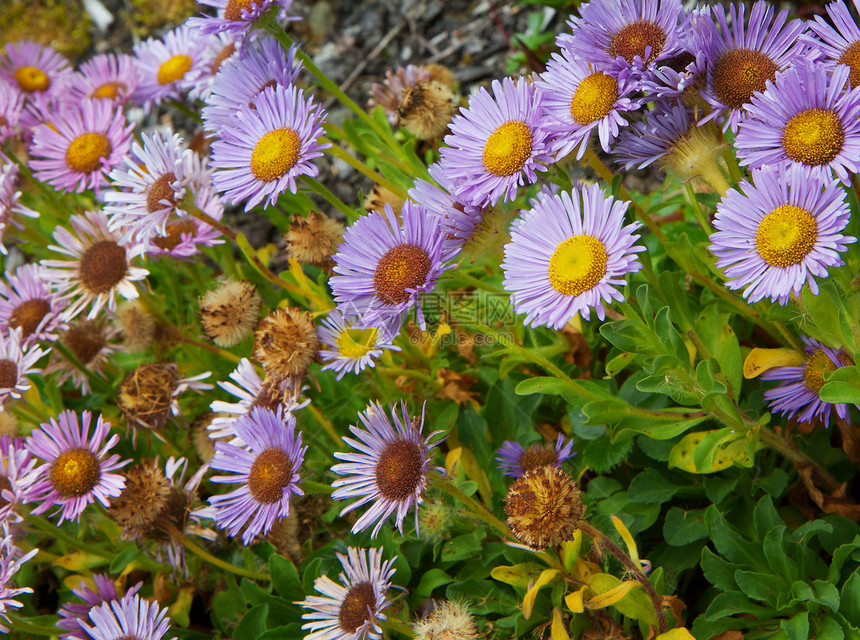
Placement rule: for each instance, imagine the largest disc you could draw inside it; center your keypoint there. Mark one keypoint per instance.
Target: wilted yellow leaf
(546, 576)
(628, 539)
(676, 634)
(760, 360)
(558, 629)
(612, 596)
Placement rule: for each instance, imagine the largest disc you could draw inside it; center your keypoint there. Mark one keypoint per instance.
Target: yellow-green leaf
(574, 601)
(628, 539)
(558, 629)
(635, 604)
(466, 459)
(519, 575)
(760, 360)
(679, 633)
(546, 576)
(181, 608)
(570, 550)
(80, 561)
(612, 596)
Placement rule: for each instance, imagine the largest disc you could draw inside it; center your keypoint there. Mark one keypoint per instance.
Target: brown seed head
(228, 314)
(149, 506)
(741, 72)
(314, 239)
(146, 395)
(85, 340)
(286, 343)
(175, 229)
(160, 192)
(28, 315)
(441, 73)
(8, 374)
(426, 109)
(399, 470)
(103, 266)
(379, 197)
(538, 455)
(270, 474)
(543, 507)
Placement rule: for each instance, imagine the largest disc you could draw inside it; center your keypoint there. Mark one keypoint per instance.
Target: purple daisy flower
(741, 60)
(383, 267)
(44, 108)
(100, 267)
(11, 106)
(72, 613)
(170, 66)
(805, 118)
(389, 470)
(252, 391)
(28, 304)
(77, 150)
(106, 76)
(78, 469)
(238, 17)
(514, 459)
(11, 560)
(269, 144)
(801, 384)
(132, 617)
(568, 256)
(839, 43)
(497, 143)
(34, 68)
(577, 99)
(776, 234)
(16, 478)
(632, 35)
(459, 220)
(151, 186)
(267, 472)
(184, 236)
(241, 79)
(10, 205)
(219, 48)
(351, 348)
(351, 610)
(17, 360)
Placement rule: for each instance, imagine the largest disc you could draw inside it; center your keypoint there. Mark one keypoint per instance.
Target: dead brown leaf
(456, 386)
(731, 634)
(850, 440)
(837, 502)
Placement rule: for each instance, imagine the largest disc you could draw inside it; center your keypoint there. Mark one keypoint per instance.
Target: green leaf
(253, 623)
(777, 555)
(765, 516)
(732, 603)
(797, 627)
(842, 553)
(850, 599)
(431, 580)
(543, 385)
(124, 558)
(682, 527)
(285, 578)
(761, 586)
(842, 386)
(671, 423)
(720, 340)
(651, 486)
(606, 411)
(603, 454)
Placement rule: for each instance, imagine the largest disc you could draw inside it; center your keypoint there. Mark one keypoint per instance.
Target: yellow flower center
(813, 371)
(276, 153)
(174, 69)
(593, 98)
(75, 472)
(577, 265)
(508, 148)
(632, 40)
(355, 343)
(813, 137)
(32, 79)
(739, 73)
(85, 152)
(851, 58)
(109, 90)
(786, 235)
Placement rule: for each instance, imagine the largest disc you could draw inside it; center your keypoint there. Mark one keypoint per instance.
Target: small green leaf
(682, 527)
(124, 558)
(253, 623)
(797, 627)
(850, 599)
(651, 486)
(761, 586)
(431, 580)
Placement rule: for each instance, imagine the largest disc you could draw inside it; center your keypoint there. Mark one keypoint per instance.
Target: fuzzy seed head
(148, 506)
(146, 395)
(314, 240)
(448, 621)
(286, 343)
(426, 109)
(137, 325)
(229, 313)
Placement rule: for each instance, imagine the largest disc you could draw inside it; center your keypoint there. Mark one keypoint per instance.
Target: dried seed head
(228, 314)
(203, 444)
(29, 315)
(379, 197)
(426, 109)
(8, 423)
(441, 73)
(103, 266)
(314, 239)
(146, 395)
(286, 343)
(137, 325)
(85, 340)
(149, 506)
(448, 621)
(543, 507)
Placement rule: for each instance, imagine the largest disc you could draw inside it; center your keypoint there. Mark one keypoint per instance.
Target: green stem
(56, 532)
(399, 626)
(697, 209)
(96, 381)
(317, 187)
(732, 164)
(325, 423)
(309, 486)
(409, 373)
(477, 510)
(270, 24)
(355, 163)
(794, 454)
(603, 540)
(22, 625)
(213, 560)
(228, 355)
